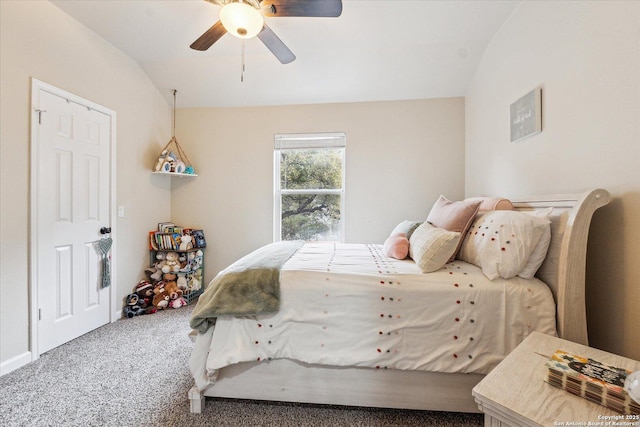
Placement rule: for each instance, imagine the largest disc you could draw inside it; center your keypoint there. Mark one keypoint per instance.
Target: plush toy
(196, 280)
(161, 300)
(155, 272)
(144, 290)
(132, 308)
(182, 282)
(186, 242)
(158, 286)
(179, 302)
(161, 160)
(171, 263)
(173, 290)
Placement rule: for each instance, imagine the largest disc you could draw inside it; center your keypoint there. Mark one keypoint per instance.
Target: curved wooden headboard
(564, 267)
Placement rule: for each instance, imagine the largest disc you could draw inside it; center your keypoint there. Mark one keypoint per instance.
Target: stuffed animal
(173, 290)
(182, 282)
(158, 287)
(169, 277)
(186, 242)
(161, 300)
(196, 280)
(160, 161)
(171, 263)
(144, 290)
(155, 272)
(179, 302)
(147, 305)
(132, 308)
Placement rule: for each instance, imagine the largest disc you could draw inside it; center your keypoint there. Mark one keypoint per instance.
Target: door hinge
(39, 314)
(40, 115)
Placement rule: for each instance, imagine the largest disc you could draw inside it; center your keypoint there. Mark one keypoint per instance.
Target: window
(309, 187)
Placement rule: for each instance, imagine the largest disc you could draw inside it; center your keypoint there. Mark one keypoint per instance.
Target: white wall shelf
(175, 174)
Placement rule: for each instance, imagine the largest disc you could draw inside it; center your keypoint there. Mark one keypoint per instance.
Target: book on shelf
(169, 237)
(592, 380)
(199, 240)
(164, 226)
(153, 243)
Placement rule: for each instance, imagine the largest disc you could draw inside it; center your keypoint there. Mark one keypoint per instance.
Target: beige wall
(38, 40)
(586, 58)
(400, 157)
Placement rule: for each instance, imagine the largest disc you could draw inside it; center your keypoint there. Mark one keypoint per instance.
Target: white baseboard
(15, 363)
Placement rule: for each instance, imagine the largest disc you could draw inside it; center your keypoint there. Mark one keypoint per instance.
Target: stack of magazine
(592, 380)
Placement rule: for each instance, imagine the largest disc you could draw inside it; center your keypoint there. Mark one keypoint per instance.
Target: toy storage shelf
(193, 275)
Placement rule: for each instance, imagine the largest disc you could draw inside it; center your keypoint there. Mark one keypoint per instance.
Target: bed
(380, 363)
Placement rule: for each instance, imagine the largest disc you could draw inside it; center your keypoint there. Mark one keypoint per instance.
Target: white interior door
(72, 202)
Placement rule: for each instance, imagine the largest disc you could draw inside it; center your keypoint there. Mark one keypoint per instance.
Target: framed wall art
(526, 115)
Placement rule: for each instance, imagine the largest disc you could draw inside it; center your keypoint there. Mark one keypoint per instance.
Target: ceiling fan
(245, 19)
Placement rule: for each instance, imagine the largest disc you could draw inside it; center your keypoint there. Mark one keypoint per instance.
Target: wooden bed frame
(290, 381)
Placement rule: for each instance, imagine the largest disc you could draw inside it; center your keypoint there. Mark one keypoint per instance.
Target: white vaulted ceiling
(376, 50)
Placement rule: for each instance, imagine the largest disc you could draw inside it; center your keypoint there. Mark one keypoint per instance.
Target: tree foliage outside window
(310, 193)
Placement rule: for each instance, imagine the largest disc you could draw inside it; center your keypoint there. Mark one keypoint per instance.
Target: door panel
(73, 203)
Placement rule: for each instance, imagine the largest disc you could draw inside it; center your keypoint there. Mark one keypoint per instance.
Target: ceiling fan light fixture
(241, 20)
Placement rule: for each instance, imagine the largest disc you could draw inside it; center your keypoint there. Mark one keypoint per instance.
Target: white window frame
(303, 141)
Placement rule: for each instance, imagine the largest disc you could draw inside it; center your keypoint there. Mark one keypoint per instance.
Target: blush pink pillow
(491, 203)
(396, 246)
(453, 216)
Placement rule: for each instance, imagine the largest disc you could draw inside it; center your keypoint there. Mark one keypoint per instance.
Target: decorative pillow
(407, 227)
(396, 246)
(453, 216)
(431, 247)
(491, 203)
(501, 242)
(540, 251)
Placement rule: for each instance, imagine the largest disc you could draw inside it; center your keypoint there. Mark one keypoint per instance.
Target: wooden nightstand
(515, 392)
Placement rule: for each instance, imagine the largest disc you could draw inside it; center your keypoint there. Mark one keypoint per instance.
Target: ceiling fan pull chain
(242, 64)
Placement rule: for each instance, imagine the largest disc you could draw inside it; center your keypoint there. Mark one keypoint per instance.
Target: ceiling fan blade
(275, 45)
(209, 37)
(312, 8)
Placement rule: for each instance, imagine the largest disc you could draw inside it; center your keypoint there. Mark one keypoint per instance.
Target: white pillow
(431, 247)
(407, 227)
(501, 242)
(540, 251)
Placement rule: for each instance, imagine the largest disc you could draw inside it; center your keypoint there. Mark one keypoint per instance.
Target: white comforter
(350, 305)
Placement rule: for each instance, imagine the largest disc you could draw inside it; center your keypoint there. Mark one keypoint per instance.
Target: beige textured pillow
(453, 216)
(431, 247)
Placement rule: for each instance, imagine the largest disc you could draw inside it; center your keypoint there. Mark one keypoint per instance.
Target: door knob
(105, 230)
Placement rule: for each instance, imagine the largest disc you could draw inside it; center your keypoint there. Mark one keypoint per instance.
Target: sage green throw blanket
(249, 286)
